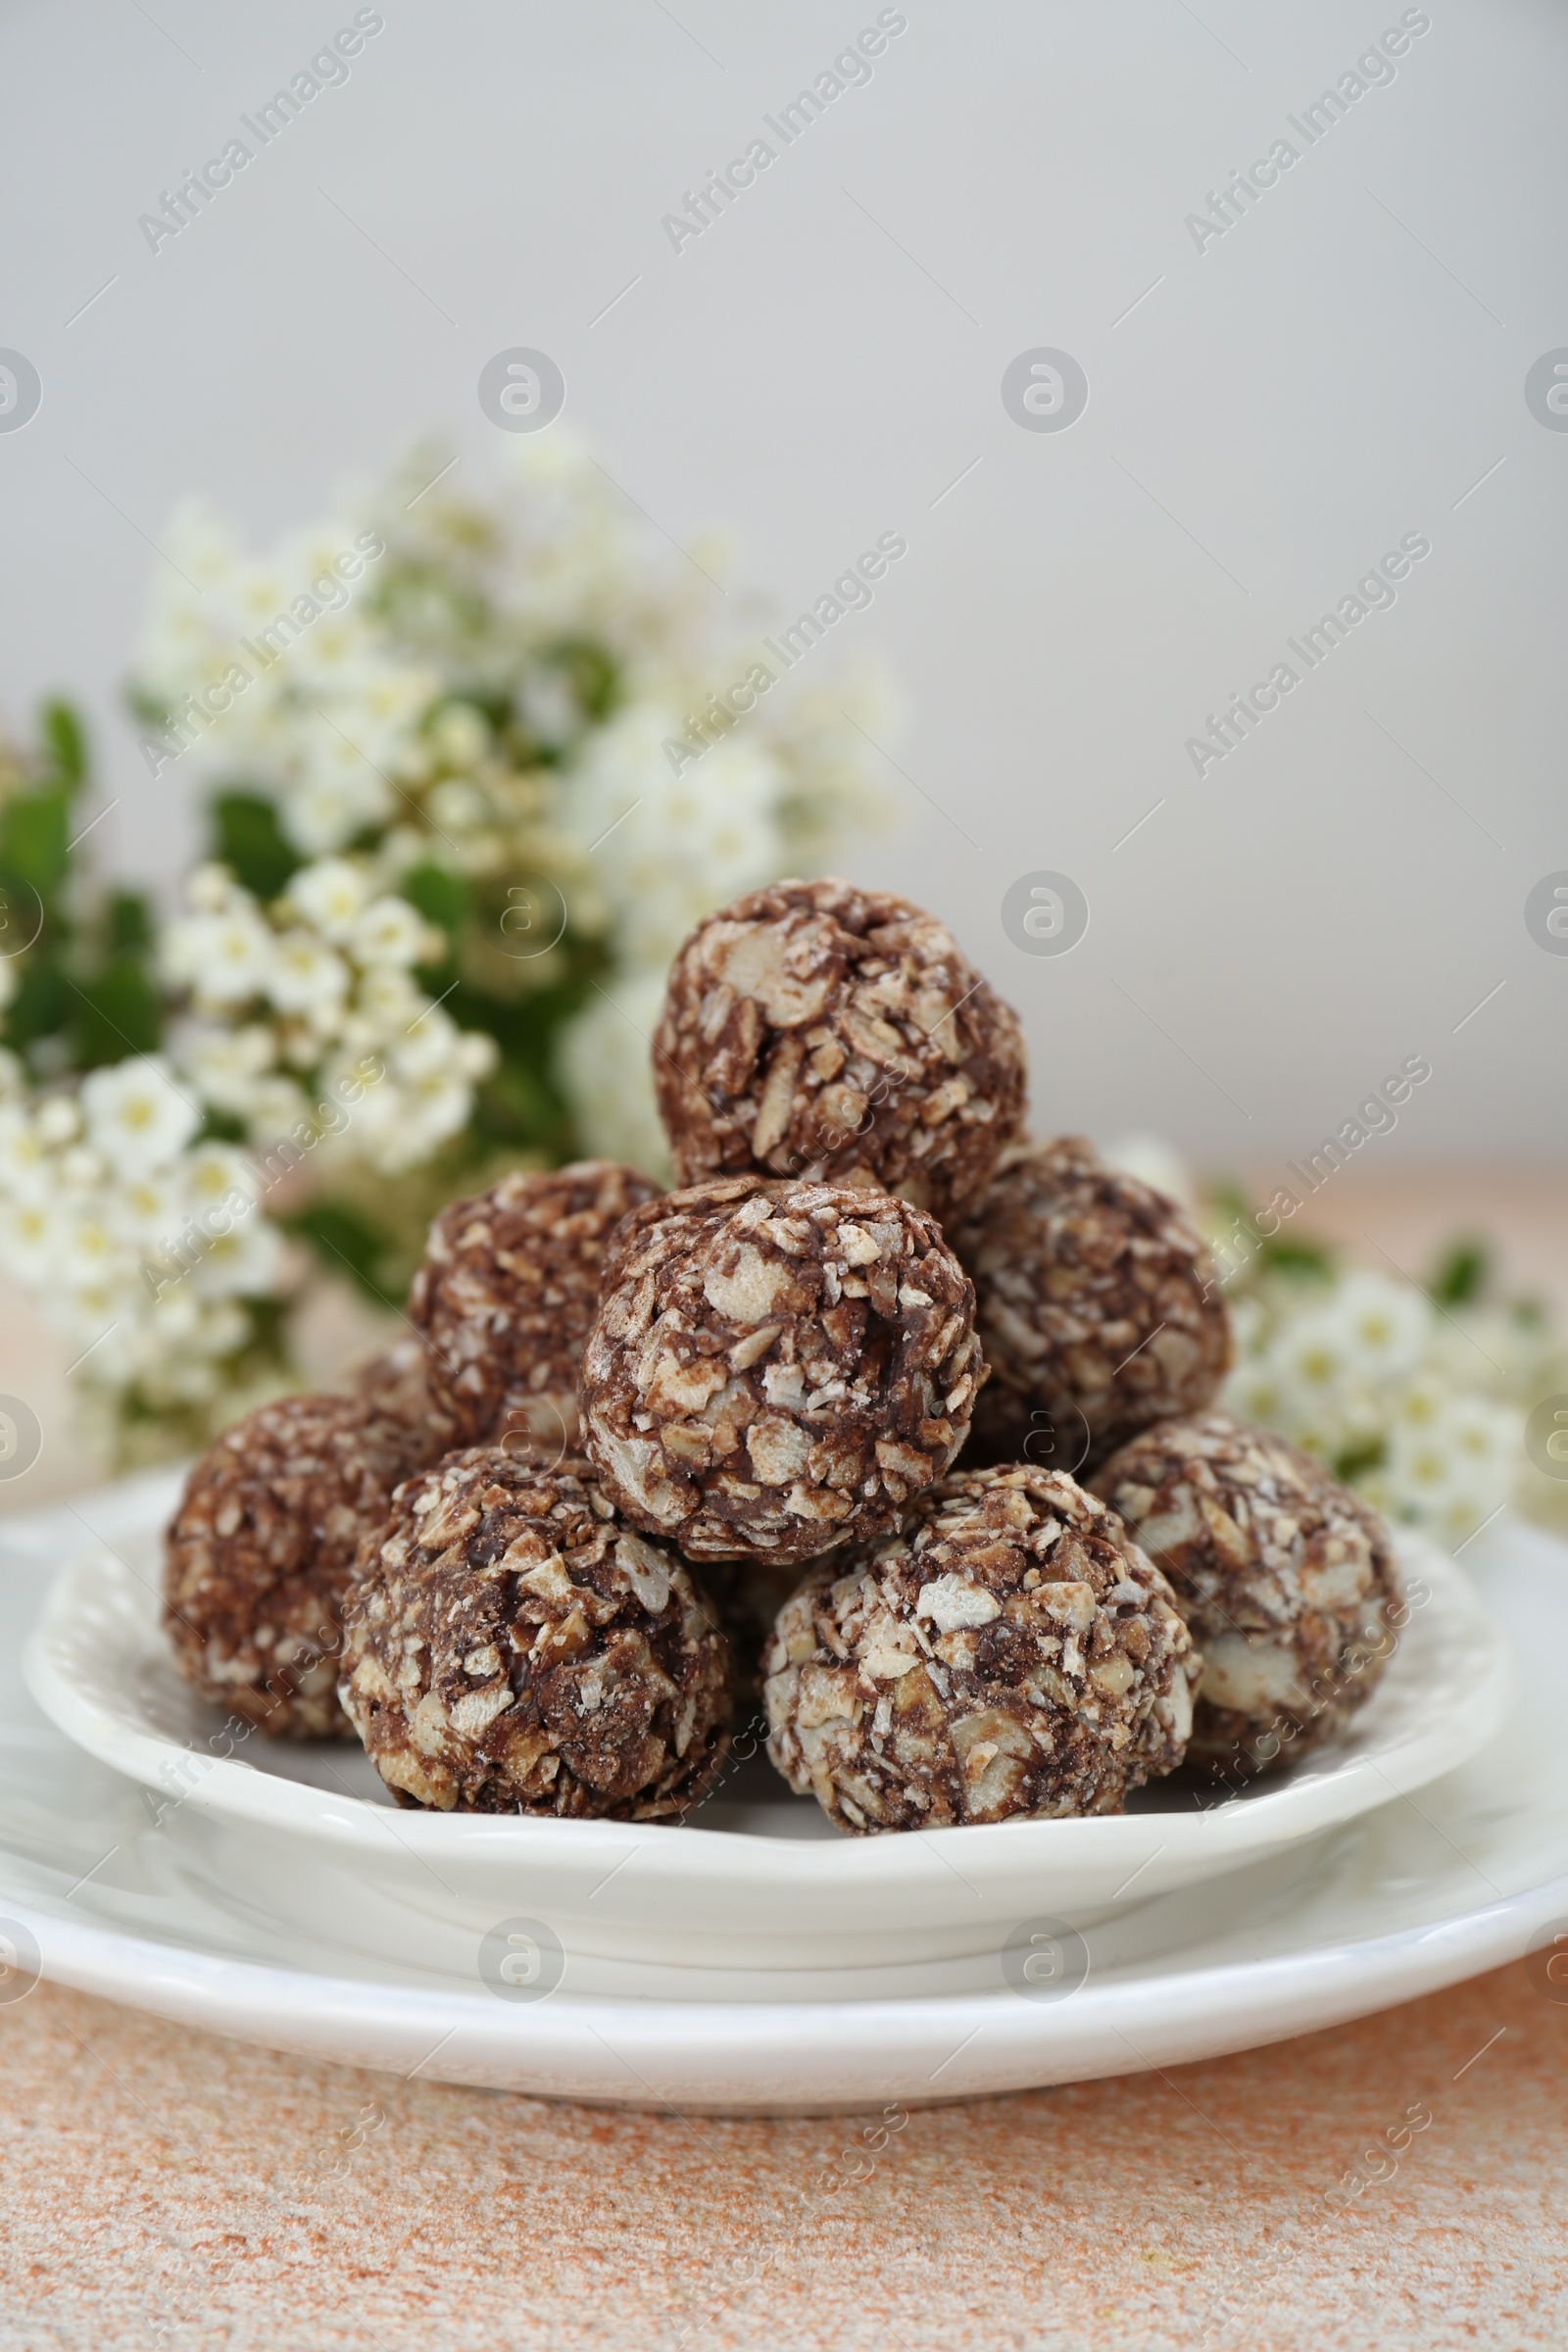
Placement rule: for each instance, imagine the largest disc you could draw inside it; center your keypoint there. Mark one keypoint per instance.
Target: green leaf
(1303, 1258)
(1352, 1461)
(118, 1012)
(65, 741)
(440, 895)
(1461, 1274)
(34, 829)
(128, 924)
(247, 837)
(41, 1004)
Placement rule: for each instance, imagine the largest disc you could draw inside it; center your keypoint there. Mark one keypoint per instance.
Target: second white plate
(754, 1889)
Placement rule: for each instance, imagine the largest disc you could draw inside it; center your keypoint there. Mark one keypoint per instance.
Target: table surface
(162, 2187)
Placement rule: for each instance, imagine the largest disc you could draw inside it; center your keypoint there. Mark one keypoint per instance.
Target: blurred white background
(1266, 418)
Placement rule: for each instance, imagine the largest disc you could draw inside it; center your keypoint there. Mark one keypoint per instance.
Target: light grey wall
(1340, 368)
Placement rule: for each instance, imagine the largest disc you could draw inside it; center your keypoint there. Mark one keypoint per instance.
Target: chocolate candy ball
(397, 1383)
(783, 1374)
(258, 1556)
(512, 1647)
(1011, 1653)
(505, 1295)
(816, 1030)
(1097, 1308)
(1286, 1579)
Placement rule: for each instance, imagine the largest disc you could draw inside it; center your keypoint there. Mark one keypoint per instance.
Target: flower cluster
(285, 1001)
(516, 692)
(143, 1243)
(468, 783)
(1416, 1406)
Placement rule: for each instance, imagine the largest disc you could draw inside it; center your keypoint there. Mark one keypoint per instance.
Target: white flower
(225, 1066)
(59, 1120)
(461, 735)
(26, 1170)
(29, 1240)
(144, 1210)
(307, 975)
(391, 931)
(278, 1107)
(243, 1262)
(389, 1000)
(136, 1117)
(1383, 1326)
(222, 958)
(330, 896)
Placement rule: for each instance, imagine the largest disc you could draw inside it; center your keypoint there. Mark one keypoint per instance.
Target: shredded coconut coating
(783, 1373)
(398, 1383)
(1011, 1653)
(1284, 1578)
(512, 1647)
(817, 1030)
(506, 1291)
(1096, 1303)
(258, 1556)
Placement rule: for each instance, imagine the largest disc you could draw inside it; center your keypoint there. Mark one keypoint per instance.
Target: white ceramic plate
(1399, 1902)
(753, 1891)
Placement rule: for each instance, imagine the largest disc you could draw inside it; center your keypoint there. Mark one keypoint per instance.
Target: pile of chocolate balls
(654, 1461)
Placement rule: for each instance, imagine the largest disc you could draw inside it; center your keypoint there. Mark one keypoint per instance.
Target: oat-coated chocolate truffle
(506, 1291)
(1097, 1304)
(788, 1375)
(1284, 1578)
(1012, 1652)
(398, 1383)
(816, 1029)
(258, 1557)
(512, 1647)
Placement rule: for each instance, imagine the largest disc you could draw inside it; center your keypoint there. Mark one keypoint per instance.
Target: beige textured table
(161, 2188)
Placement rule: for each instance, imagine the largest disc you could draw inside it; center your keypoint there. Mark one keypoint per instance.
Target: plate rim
(546, 2049)
(236, 1794)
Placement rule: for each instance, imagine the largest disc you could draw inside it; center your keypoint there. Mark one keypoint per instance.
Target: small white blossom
(136, 1115)
(307, 975)
(330, 896)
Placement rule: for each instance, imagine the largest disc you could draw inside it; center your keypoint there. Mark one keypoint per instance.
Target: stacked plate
(751, 1958)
